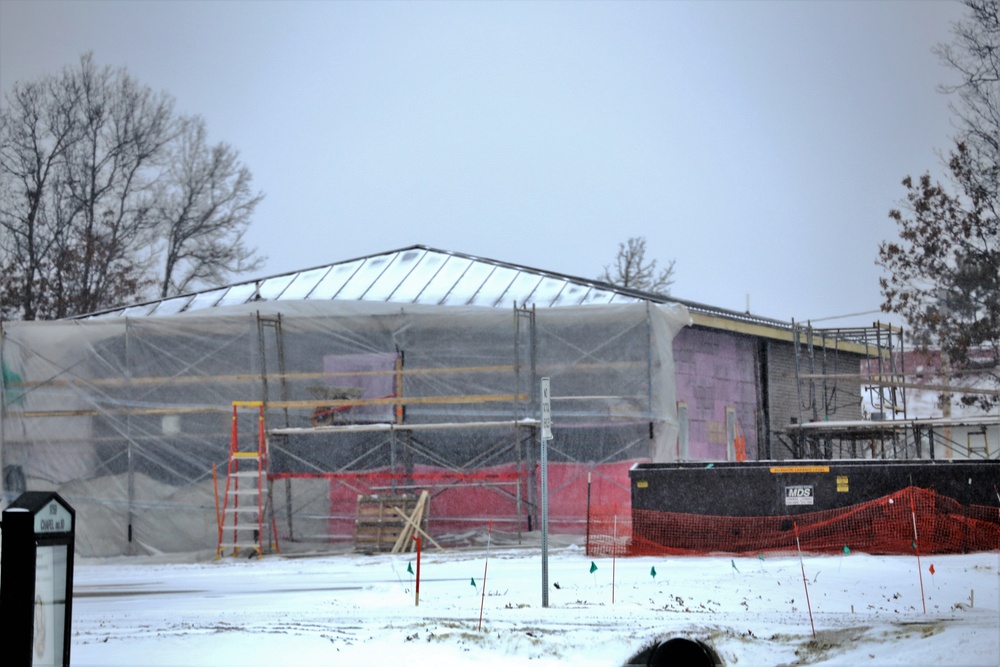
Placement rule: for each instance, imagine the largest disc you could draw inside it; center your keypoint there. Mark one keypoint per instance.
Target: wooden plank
(405, 540)
(391, 400)
(416, 527)
(377, 527)
(394, 400)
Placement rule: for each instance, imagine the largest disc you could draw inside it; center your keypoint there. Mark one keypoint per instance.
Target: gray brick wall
(839, 400)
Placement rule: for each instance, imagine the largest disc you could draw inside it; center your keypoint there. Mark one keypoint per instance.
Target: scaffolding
(852, 388)
(931, 438)
(836, 370)
(127, 417)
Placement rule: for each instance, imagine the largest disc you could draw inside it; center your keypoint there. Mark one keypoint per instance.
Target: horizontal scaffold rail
(895, 424)
(397, 400)
(277, 377)
(385, 426)
(429, 479)
(253, 377)
(887, 381)
(315, 403)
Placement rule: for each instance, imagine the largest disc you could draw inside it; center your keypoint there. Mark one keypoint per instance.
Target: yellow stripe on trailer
(787, 469)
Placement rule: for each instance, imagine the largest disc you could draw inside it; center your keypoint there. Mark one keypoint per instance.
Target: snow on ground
(352, 609)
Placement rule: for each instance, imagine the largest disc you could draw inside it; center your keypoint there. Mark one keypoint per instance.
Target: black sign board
(36, 579)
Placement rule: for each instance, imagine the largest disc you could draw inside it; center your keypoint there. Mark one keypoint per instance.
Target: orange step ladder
(241, 525)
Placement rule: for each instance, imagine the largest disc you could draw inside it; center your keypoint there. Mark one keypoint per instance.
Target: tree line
(943, 273)
(107, 196)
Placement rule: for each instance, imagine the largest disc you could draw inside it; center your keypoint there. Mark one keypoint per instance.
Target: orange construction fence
(908, 521)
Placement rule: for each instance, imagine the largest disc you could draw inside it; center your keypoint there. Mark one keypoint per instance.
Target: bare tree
(975, 56)
(102, 187)
(632, 270)
(37, 130)
(104, 195)
(203, 210)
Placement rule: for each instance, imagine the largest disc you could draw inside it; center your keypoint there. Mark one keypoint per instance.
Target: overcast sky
(759, 144)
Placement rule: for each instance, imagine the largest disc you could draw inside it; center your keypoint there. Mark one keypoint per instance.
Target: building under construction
(256, 415)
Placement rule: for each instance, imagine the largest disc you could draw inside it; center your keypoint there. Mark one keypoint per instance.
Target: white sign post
(546, 436)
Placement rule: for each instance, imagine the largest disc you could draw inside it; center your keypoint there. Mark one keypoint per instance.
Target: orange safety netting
(908, 521)
(462, 500)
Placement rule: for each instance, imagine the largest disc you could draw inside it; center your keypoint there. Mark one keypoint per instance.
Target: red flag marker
(931, 568)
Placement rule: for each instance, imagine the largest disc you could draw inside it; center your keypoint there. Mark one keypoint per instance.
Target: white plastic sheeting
(125, 416)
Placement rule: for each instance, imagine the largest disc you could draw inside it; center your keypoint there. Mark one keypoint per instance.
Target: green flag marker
(593, 567)
(733, 563)
(409, 568)
(652, 572)
(760, 556)
(472, 582)
(914, 546)
(847, 549)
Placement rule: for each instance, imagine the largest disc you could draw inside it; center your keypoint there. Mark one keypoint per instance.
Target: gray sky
(760, 144)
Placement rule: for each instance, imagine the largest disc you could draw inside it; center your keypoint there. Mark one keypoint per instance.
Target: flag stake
(805, 584)
(916, 548)
(215, 484)
(416, 594)
(486, 565)
(614, 552)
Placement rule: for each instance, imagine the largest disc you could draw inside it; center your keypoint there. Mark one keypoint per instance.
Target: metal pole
(545, 522)
(586, 541)
(130, 545)
(416, 593)
(546, 433)
(3, 418)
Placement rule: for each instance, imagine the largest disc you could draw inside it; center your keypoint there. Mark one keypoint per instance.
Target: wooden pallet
(387, 523)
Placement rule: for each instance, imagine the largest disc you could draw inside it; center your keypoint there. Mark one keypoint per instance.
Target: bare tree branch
(203, 211)
(631, 269)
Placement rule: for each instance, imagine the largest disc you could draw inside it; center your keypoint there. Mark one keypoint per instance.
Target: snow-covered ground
(352, 609)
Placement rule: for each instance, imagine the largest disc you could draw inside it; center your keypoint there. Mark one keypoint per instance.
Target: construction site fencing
(460, 503)
(912, 520)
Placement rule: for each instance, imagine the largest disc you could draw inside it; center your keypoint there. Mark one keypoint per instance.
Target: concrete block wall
(783, 396)
(842, 400)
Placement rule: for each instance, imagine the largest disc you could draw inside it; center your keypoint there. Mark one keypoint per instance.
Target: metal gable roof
(422, 275)
(417, 274)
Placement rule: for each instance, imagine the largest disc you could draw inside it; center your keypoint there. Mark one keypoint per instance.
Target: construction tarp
(127, 417)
